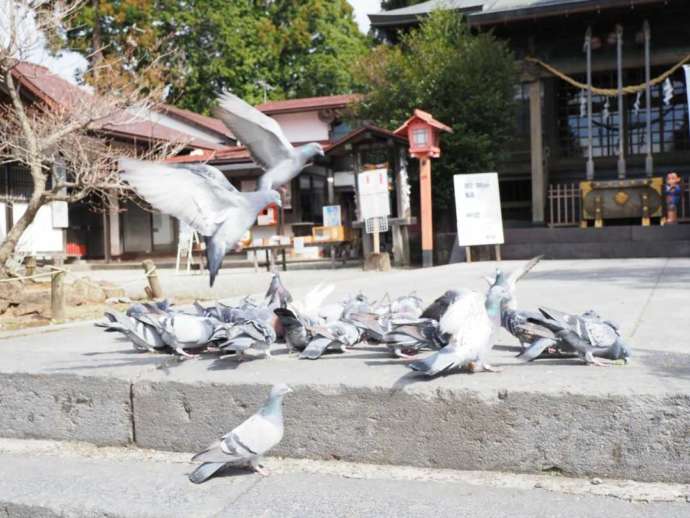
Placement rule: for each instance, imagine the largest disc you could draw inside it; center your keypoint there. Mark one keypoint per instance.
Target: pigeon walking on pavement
(265, 141)
(246, 444)
(203, 198)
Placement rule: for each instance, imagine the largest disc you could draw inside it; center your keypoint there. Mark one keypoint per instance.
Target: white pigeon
(265, 141)
(246, 444)
(471, 321)
(201, 197)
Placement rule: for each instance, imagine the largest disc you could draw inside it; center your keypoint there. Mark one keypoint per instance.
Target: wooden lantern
(423, 133)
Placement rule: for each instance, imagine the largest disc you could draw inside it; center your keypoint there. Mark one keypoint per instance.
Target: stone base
(377, 262)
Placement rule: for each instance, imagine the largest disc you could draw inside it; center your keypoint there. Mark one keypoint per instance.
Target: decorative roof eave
(477, 16)
(426, 117)
(555, 8)
(366, 128)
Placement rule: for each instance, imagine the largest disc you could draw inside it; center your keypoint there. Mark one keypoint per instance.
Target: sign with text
(478, 209)
(374, 201)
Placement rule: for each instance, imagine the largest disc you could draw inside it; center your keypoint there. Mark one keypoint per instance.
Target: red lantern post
(423, 133)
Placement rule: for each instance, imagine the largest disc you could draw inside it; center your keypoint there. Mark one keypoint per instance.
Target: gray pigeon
(200, 196)
(144, 336)
(587, 335)
(250, 334)
(265, 141)
(246, 444)
(297, 329)
(277, 293)
(331, 336)
(408, 337)
(181, 331)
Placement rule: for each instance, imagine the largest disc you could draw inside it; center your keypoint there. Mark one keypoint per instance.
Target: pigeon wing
(261, 134)
(182, 193)
(212, 174)
(519, 273)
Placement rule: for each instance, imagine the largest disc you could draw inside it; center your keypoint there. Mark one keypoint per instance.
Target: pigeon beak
(322, 152)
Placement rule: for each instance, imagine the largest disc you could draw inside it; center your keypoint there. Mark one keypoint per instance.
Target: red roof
(426, 117)
(57, 93)
(308, 104)
(209, 123)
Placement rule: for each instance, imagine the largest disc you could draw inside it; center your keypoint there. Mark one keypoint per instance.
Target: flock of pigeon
(459, 327)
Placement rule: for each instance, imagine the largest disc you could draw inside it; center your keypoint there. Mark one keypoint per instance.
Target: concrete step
(51, 479)
(79, 383)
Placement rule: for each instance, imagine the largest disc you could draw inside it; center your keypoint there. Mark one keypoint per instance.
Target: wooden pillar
(621, 113)
(426, 214)
(537, 152)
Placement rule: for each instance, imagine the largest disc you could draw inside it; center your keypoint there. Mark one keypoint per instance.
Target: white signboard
(331, 216)
(60, 213)
(478, 209)
(374, 201)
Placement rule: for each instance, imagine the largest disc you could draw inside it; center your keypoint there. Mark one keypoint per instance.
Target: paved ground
(41, 478)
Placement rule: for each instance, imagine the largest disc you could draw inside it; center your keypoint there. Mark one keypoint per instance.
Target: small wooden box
(339, 233)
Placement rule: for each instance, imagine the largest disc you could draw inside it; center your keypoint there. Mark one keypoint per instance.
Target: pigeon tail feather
(205, 471)
(215, 251)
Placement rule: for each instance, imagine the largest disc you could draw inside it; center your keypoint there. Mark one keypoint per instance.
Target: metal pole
(649, 161)
(590, 159)
(621, 117)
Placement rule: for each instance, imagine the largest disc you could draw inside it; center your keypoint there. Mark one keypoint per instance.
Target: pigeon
(521, 324)
(332, 336)
(200, 196)
(265, 141)
(509, 283)
(587, 335)
(246, 444)
(297, 330)
(277, 294)
(438, 308)
(250, 334)
(408, 337)
(144, 336)
(471, 321)
(181, 331)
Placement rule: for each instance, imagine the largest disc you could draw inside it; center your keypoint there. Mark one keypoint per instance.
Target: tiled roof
(58, 93)
(209, 123)
(307, 104)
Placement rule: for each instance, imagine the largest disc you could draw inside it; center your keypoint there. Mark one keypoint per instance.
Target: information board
(374, 200)
(478, 209)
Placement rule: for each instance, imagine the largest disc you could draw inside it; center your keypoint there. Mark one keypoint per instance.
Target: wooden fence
(565, 204)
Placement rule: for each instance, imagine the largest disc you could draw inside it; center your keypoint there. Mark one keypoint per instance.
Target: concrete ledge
(65, 407)
(624, 422)
(642, 438)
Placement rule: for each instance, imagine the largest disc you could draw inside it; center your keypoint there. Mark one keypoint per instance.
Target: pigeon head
(279, 390)
(311, 150)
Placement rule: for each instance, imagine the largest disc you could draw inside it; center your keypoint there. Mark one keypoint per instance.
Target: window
(312, 193)
(669, 123)
(15, 182)
(420, 137)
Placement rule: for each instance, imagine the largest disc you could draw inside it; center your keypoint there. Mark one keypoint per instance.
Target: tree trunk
(96, 41)
(36, 201)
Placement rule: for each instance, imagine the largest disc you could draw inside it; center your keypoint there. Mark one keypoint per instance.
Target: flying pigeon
(265, 141)
(509, 283)
(200, 196)
(246, 444)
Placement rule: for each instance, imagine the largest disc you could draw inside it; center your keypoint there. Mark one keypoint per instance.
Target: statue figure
(672, 194)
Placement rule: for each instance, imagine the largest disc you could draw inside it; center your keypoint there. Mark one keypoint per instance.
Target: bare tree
(42, 132)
